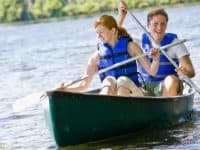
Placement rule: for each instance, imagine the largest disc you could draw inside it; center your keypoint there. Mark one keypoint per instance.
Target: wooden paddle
(36, 98)
(182, 77)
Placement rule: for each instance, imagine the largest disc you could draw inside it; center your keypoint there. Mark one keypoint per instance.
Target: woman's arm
(83, 84)
(151, 68)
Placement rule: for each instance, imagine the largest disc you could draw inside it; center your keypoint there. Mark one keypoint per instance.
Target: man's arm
(122, 10)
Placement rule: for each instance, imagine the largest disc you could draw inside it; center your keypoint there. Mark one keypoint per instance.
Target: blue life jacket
(119, 53)
(165, 67)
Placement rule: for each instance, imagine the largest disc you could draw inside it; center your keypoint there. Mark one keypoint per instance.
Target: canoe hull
(76, 118)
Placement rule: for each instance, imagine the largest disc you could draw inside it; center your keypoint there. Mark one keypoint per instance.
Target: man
(166, 82)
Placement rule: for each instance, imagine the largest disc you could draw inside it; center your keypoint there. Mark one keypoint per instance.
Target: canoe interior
(75, 118)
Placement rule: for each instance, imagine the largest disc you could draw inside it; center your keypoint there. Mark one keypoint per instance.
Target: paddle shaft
(183, 77)
(128, 61)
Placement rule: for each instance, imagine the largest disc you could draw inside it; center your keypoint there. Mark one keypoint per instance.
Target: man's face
(157, 27)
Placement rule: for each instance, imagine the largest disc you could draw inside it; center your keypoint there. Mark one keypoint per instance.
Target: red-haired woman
(114, 47)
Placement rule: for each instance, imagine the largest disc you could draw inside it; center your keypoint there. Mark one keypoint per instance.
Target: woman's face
(157, 27)
(104, 34)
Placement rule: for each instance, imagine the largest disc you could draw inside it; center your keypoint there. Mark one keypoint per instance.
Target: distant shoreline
(67, 17)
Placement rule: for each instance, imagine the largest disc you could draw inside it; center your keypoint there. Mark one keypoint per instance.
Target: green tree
(26, 13)
(53, 8)
(10, 10)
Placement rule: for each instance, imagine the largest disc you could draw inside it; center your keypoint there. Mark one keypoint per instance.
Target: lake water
(36, 57)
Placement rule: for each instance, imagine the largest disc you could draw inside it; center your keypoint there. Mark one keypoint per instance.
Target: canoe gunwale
(94, 93)
(147, 98)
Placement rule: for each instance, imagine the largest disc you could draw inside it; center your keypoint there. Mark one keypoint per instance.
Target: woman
(166, 82)
(116, 45)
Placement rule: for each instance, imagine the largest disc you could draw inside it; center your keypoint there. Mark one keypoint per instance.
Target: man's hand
(122, 8)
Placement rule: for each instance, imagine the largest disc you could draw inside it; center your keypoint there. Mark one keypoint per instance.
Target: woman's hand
(155, 54)
(61, 86)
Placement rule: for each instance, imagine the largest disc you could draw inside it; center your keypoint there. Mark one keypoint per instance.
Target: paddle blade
(28, 101)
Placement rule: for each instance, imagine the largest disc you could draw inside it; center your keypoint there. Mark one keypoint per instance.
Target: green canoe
(75, 118)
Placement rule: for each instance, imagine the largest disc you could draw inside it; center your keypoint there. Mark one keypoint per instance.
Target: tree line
(22, 10)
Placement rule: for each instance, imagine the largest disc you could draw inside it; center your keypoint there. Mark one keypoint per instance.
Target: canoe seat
(186, 88)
